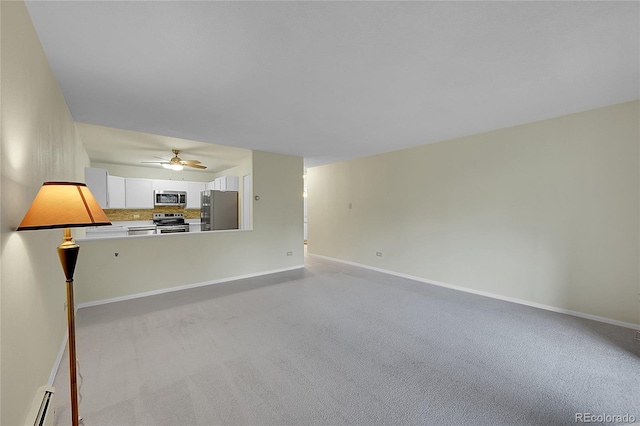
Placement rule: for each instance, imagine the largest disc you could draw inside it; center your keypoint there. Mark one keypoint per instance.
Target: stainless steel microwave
(170, 198)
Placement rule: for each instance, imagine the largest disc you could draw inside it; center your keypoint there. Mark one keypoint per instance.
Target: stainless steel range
(170, 223)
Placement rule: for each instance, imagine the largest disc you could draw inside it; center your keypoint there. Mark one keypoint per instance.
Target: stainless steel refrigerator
(218, 210)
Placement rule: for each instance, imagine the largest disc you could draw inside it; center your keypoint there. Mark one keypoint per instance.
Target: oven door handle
(173, 229)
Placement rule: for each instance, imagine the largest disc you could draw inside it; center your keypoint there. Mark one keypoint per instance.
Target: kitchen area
(153, 207)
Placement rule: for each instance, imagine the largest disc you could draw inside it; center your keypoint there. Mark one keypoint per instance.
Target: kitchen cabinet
(116, 192)
(229, 183)
(97, 181)
(232, 183)
(138, 193)
(213, 185)
(225, 183)
(193, 194)
(109, 191)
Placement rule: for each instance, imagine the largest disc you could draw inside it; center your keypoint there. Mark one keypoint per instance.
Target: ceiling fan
(177, 163)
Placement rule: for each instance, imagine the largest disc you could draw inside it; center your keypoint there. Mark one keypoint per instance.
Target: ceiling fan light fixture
(176, 163)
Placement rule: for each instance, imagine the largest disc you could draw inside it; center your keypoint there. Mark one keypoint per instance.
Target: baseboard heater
(42, 412)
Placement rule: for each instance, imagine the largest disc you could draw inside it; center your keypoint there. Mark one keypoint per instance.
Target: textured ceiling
(336, 80)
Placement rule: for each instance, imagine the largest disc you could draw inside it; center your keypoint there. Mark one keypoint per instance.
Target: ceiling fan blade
(176, 161)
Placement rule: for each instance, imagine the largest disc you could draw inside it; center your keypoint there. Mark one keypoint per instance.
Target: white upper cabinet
(138, 193)
(226, 183)
(232, 183)
(98, 180)
(108, 190)
(116, 195)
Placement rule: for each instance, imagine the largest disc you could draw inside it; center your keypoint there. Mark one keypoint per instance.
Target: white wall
(545, 212)
(141, 265)
(39, 143)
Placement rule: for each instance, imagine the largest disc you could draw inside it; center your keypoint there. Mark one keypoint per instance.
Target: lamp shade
(63, 205)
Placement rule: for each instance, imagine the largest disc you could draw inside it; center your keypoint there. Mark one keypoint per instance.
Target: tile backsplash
(147, 214)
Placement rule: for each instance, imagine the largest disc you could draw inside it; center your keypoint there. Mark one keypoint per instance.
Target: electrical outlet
(289, 253)
(379, 253)
(638, 335)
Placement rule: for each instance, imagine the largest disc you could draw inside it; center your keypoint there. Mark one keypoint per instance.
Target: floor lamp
(66, 205)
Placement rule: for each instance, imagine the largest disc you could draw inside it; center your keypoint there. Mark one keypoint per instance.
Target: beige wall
(154, 172)
(39, 143)
(141, 265)
(545, 212)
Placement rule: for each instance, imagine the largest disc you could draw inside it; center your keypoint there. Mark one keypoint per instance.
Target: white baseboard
(487, 294)
(184, 287)
(58, 360)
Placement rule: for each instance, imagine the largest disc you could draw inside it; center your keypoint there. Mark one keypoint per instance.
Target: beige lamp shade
(63, 205)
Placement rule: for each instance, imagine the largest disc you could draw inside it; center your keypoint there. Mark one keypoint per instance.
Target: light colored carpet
(335, 344)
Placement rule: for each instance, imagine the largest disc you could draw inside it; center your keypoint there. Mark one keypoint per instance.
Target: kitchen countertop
(119, 229)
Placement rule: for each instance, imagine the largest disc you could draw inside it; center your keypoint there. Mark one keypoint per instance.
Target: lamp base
(68, 253)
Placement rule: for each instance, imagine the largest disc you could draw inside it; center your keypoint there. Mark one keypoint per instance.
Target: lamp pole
(68, 252)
